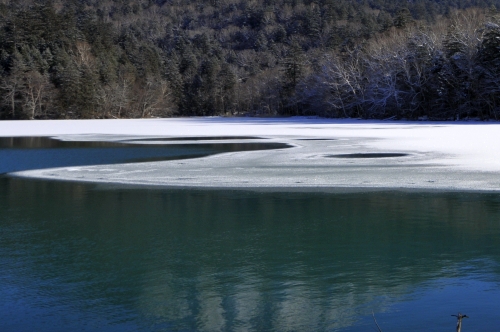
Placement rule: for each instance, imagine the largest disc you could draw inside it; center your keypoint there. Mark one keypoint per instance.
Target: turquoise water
(80, 257)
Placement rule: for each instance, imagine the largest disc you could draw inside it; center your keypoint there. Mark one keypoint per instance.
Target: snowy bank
(326, 154)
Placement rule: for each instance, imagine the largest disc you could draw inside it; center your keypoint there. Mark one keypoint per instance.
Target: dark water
(77, 257)
(367, 155)
(24, 153)
(74, 257)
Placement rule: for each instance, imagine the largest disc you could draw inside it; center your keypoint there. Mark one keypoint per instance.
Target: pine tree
(489, 62)
(226, 81)
(293, 64)
(489, 49)
(293, 68)
(403, 19)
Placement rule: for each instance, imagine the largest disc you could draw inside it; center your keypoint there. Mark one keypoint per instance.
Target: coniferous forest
(418, 59)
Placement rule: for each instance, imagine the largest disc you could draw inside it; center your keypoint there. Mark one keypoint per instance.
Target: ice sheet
(440, 155)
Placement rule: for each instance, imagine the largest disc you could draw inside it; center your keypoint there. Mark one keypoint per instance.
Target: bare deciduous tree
(10, 86)
(154, 99)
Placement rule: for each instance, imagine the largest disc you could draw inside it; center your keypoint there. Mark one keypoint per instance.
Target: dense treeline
(336, 58)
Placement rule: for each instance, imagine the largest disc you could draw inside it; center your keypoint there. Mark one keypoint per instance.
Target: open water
(83, 257)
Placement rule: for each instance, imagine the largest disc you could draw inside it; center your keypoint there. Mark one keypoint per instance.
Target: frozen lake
(326, 155)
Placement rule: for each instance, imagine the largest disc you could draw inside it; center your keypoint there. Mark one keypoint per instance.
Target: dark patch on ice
(316, 139)
(195, 138)
(368, 155)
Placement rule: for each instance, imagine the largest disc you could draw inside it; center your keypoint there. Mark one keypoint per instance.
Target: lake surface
(25, 153)
(85, 257)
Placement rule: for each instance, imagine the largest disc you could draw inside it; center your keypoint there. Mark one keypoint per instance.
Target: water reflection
(238, 261)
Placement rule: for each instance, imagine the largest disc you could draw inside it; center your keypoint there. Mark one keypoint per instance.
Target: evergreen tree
(293, 64)
(403, 18)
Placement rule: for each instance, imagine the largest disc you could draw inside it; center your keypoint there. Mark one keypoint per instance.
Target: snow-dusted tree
(389, 74)
(344, 77)
(461, 75)
(422, 81)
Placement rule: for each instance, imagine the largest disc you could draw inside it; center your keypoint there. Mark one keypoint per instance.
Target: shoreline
(105, 185)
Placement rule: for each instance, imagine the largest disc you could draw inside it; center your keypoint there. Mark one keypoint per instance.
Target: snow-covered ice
(437, 155)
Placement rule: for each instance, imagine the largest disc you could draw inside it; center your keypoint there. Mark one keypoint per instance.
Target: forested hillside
(336, 58)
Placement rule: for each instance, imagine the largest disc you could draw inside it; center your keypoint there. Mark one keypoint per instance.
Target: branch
(378, 327)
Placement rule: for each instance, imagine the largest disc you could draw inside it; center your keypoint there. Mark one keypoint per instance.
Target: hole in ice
(367, 155)
(197, 138)
(316, 139)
